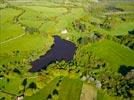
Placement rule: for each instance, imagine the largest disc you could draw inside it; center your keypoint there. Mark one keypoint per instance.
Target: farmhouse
(64, 31)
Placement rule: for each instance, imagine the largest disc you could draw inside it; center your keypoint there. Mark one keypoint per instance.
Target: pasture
(115, 54)
(70, 89)
(8, 27)
(59, 89)
(44, 93)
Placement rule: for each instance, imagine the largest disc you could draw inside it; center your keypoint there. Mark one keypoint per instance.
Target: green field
(66, 90)
(8, 28)
(115, 54)
(42, 94)
(70, 89)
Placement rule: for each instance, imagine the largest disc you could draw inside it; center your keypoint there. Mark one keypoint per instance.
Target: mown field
(102, 31)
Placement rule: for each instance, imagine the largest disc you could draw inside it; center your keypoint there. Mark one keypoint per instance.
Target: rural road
(12, 39)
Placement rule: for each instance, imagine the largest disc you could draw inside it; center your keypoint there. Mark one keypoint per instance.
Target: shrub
(55, 92)
(31, 30)
(49, 97)
(32, 85)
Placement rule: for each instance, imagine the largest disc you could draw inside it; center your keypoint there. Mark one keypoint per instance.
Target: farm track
(12, 39)
(16, 20)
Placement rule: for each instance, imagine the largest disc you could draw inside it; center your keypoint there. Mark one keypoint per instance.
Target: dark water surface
(61, 50)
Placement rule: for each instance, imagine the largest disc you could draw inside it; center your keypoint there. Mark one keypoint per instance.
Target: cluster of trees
(114, 9)
(116, 85)
(127, 40)
(16, 68)
(131, 32)
(11, 69)
(91, 38)
(119, 84)
(108, 23)
(31, 30)
(87, 60)
(28, 88)
(54, 93)
(79, 26)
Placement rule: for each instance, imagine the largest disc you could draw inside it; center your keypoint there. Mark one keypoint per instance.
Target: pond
(60, 50)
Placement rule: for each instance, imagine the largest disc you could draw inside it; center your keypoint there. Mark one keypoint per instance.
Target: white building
(20, 98)
(64, 31)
